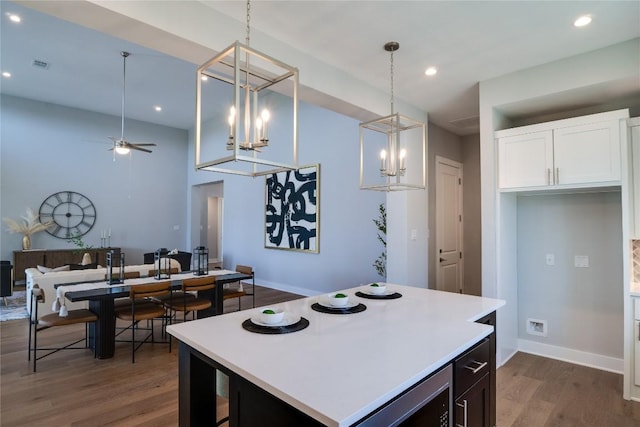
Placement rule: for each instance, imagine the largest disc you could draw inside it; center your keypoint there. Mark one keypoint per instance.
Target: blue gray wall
(47, 148)
(148, 200)
(348, 244)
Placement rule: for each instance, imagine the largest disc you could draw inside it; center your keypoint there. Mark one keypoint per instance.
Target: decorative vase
(26, 242)
(86, 259)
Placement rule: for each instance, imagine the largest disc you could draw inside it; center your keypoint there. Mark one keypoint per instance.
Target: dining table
(101, 297)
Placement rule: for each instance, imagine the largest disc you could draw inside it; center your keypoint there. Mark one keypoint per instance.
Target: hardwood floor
(536, 391)
(73, 389)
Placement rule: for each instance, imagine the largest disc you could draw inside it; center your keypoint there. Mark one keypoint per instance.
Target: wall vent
(40, 64)
(467, 122)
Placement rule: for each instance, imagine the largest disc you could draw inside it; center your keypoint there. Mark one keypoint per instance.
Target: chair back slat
(173, 270)
(149, 290)
(244, 269)
(127, 275)
(199, 284)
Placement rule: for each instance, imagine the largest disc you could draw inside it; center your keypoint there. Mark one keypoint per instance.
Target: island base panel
(249, 405)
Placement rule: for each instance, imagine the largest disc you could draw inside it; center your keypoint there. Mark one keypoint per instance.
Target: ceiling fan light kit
(238, 102)
(392, 149)
(122, 146)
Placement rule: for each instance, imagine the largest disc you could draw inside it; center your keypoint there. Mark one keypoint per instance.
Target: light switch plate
(581, 261)
(551, 259)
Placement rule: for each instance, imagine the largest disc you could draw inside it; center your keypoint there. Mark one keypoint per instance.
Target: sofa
(47, 281)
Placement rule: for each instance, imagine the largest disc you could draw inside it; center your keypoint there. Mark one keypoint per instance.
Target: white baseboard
(287, 288)
(504, 357)
(591, 360)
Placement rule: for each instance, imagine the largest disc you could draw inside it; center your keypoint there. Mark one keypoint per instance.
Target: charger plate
(275, 330)
(394, 295)
(338, 310)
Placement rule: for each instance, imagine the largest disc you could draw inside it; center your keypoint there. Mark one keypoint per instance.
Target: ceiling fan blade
(135, 147)
(142, 144)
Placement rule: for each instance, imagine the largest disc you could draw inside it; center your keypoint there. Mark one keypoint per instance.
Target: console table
(55, 258)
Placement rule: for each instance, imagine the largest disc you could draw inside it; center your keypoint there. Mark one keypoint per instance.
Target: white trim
(578, 357)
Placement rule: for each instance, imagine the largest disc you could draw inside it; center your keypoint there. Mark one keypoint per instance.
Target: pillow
(74, 267)
(42, 269)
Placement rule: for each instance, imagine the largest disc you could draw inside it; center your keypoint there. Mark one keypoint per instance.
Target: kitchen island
(336, 372)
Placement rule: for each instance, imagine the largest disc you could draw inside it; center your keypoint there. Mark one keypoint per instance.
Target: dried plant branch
(30, 224)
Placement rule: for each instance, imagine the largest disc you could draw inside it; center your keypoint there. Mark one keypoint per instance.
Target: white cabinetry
(636, 340)
(634, 128)
(572, 153)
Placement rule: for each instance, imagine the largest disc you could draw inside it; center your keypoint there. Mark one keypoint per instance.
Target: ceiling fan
(121, 145)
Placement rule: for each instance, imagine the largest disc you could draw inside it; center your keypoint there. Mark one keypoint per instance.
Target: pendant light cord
(124, 79)
(391, 82)
(247, 37)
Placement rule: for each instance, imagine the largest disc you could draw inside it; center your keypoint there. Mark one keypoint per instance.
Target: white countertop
(342, 367)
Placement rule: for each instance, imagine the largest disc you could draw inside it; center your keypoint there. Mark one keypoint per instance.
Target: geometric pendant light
(392, 149)
(246, 112)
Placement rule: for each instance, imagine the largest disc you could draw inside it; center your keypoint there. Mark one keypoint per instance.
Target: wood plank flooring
(536, 391)
(73, 389)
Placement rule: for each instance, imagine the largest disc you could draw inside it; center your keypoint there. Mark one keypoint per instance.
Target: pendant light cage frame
(393, 133)
(251, 74)
(401, 142)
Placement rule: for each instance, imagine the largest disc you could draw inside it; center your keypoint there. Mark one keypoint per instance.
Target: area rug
(15, 308)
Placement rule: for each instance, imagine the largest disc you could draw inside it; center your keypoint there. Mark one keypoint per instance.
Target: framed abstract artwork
(292, 210)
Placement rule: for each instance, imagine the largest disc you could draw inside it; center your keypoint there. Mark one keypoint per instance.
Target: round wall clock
(72, 213)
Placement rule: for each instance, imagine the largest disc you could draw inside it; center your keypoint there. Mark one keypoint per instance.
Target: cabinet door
(587, 153)
(525, 160)
(635, 152)
(472, 408)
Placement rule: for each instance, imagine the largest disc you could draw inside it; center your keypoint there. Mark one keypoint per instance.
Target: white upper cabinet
(526, 160)
(634, 128)
(580, 152)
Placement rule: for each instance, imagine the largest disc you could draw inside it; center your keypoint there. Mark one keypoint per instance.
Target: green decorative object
(380, 264)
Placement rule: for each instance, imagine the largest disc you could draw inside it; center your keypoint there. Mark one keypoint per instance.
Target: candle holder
(162, 264)
(202, 261)
(111, 261)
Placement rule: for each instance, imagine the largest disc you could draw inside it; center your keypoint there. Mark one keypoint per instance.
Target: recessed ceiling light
(6, 74)
(157, 108)
(582, 21)
(431, 71)
(204, 78)
(14, 18)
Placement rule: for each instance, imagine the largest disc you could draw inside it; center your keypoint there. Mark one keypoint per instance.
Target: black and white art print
(292, 210)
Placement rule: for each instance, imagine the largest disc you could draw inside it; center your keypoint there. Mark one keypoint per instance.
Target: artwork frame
(292, 210)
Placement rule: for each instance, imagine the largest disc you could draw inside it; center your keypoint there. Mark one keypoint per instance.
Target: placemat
(394, 295)
(274, 330)
(338, 310)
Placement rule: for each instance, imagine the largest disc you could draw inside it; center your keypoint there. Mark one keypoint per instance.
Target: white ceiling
(469, 41)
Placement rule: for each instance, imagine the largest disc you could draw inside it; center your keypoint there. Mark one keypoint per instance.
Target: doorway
(449, 225)
(207, 219)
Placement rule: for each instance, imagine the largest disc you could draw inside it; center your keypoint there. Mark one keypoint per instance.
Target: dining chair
(38, 324)
(144, 306)
(236, 290)
(187, 300)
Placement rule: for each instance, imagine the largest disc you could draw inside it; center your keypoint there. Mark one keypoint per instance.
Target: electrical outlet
(581, 261)
(551, 259)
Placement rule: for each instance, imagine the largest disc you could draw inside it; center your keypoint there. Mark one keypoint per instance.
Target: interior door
(449, 263)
